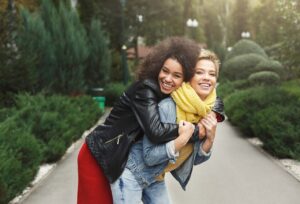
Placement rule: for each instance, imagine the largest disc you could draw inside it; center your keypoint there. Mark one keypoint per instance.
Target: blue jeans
(126, 190)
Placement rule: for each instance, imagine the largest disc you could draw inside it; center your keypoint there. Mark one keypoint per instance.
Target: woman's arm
(145, 107)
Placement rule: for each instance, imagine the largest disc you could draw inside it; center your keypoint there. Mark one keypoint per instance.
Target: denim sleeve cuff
(172, 154)
(203, 153)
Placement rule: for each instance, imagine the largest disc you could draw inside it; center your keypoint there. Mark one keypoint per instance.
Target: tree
(265, 23)
(290, 46)
(62, 47)
(99, 60)
(239, 20)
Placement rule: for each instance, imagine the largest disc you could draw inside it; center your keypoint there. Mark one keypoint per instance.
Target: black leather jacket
(135, 114)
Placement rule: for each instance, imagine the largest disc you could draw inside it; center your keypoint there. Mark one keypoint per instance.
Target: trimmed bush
(226, 88)
(240, 67)
(38, 130)
(270, 65)
(292, 87)
(56, 121)
(277, 128)
(112, 92)
(264, 78)
(246, 47)
(242, 105)
(19, 158)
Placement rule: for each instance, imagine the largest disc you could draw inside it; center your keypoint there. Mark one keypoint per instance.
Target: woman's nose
(168, 77)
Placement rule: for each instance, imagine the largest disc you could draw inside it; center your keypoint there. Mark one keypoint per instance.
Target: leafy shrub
(276, 127)
(39, 129)
(228, 87)
(242, 105)
(292, 87)
(264, 78)
(19, 158)
(56, 121)
(270, 65)
(246, 47)
(112, 92)
(240, 67)
(6, 113)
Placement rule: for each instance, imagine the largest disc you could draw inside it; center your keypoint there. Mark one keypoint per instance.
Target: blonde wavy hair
(211, 56)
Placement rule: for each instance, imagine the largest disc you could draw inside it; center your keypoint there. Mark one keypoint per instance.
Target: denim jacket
(148, 160)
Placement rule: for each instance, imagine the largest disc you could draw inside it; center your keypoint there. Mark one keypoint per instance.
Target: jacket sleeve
(219, 109)
(145, 107)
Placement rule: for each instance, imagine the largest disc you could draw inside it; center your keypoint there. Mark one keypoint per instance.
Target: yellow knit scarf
(191, 108)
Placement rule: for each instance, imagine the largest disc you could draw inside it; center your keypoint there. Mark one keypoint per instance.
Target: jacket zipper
(117, 137)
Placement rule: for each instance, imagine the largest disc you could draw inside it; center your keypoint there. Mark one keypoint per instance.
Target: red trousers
(93, 186)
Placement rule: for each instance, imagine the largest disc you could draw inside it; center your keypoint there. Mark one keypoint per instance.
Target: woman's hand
(186, 130)
(202, 131)
(210, 124)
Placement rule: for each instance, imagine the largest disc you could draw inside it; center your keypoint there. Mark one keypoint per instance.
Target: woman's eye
(165, 70)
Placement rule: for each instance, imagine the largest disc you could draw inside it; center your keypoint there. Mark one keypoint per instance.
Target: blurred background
(61, 61)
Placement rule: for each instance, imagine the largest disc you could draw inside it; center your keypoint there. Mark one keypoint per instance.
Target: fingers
(209, 121)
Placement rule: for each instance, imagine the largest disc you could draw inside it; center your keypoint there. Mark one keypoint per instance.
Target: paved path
(237, 173)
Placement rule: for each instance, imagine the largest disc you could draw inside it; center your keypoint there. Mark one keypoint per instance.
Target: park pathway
(237, 173)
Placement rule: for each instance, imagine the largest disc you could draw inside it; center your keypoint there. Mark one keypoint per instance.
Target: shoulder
(146, 88)
(167, 104)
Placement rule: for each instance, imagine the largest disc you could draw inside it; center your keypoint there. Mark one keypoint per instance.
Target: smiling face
(205, 78)
(170, 76)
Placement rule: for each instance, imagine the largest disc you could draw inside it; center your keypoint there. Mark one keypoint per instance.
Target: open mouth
(166, 86)
(204, 86)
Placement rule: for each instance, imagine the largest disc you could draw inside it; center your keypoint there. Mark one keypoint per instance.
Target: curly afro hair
(184, 50)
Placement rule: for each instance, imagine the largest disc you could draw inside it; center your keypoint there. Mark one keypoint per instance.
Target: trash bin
(101, 101)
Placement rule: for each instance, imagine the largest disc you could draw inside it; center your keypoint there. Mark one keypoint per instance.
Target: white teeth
(167, 85)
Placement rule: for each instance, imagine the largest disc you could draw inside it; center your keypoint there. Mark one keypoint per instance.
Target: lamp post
(245, 34)
(123, 48)
(193, 24)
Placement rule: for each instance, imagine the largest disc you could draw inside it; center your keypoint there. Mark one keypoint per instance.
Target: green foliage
(241, 105)
(241, 66)
(116, 73)
(112, 92)
(39, 129)
(50, 119)
(245, 47)
(266, 78)
(19, 158)
(157, 24)
(270, 65)
(266, 23)
(61, 50)
(239, 19)
(289, 11)
(276, 127)
(99, 60)
(292, 87)
(229, 87)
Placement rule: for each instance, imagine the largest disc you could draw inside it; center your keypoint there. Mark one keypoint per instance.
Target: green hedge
(246, 47)
(266, 78)
(39, 129)
(240, 67)
(270, 65)
(292, 87)
(112, 92)
(19, 158)
(276, 126)
(226, 88)
(269, 113)
(242, 105)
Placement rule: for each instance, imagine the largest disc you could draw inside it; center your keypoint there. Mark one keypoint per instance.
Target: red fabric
(93, 186)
